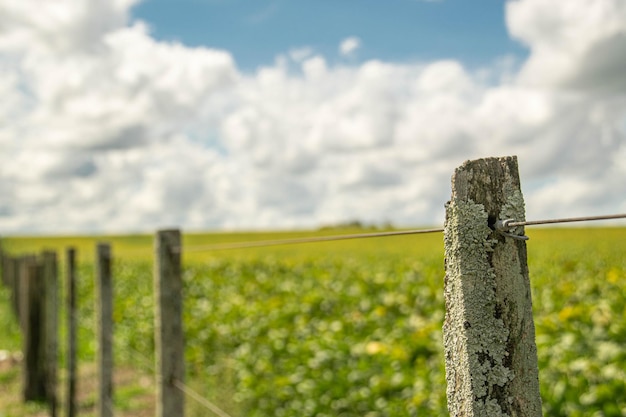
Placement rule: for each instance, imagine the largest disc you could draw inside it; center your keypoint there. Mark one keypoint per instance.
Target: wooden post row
(104, 299)
(168, 324)
(489, 334)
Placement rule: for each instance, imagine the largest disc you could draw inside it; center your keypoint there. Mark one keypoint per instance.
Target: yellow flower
(613, 275)
(375, 347)
(568, 312)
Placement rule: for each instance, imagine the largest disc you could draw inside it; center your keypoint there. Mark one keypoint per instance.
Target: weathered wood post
(12, 271)
(33, 335)
(50, 318)
(104, 300)
(3, 258)
(489, 333)
(70, 272)
(170, 365)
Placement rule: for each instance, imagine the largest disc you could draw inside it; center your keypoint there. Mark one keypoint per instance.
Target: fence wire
(299, 240)
(200, 399)
(316, 239)
(567, 220)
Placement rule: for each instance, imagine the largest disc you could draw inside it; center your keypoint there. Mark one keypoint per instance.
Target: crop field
(353, 328)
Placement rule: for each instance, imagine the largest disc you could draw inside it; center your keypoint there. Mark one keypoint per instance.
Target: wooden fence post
(50, 317)
(3, 264)
(71, 331)
(33, 335)
(168, 323)
(11, 269)
(489, 333)
(104, 300)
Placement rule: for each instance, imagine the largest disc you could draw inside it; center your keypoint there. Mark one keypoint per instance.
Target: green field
(353, 328)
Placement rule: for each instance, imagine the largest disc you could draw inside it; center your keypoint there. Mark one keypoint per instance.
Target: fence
(489, 343)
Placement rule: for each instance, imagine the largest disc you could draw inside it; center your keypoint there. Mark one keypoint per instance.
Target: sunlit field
(353, 328)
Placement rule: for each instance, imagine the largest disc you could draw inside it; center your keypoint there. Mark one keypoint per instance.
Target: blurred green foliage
(354, 328)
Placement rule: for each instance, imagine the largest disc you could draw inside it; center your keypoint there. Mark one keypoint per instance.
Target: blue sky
(129, 115)
(256, 31)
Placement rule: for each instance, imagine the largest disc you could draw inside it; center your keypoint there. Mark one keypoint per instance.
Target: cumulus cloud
(104, 128)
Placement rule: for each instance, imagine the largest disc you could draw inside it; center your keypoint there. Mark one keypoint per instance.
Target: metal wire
(200, 399)
(567, 220)
(313, 239)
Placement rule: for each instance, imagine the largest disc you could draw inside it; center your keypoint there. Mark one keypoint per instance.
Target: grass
(134, 393)
(355, 325)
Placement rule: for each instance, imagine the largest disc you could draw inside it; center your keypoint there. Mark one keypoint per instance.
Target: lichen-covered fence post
(489, 333)
(170, 362)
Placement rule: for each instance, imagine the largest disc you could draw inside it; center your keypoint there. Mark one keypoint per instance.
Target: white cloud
(349, 46)
(578, 44)
(60, 26)
(104, 128)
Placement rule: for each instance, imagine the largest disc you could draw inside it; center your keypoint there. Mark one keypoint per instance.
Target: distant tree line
(358, 224)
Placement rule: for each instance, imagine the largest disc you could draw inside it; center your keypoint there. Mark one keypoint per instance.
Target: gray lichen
(475, 338)
(513, 208)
